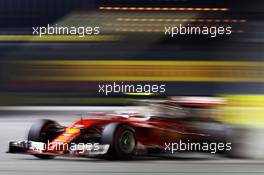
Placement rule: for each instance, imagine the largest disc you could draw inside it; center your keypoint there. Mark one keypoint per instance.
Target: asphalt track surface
(15, 125)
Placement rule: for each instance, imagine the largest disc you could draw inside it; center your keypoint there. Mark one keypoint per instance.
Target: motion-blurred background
(132, 48)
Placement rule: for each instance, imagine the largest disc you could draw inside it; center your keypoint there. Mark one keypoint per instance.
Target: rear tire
(122, 140)
(39, 132)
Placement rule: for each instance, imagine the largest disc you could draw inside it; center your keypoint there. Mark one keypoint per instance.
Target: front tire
(40, 132)
(122, 140)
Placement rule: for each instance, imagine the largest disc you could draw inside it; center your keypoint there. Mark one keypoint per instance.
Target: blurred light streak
(181, 20)
(155, 30)
(161, 9)
(139, 30)
(59, 38)
(192, 71)
(161, 25)
(243, 110)
(27, 99)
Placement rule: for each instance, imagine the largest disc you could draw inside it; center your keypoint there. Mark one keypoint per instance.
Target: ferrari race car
(161, 128)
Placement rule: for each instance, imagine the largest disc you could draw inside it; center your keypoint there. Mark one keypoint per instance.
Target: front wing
(33, 148)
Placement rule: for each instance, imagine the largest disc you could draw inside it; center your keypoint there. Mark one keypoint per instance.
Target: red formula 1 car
(124, 135)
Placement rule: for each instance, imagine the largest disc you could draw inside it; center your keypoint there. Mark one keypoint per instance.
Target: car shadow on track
(61, 159)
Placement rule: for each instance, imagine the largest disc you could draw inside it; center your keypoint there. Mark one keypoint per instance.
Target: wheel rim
(127, 141)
